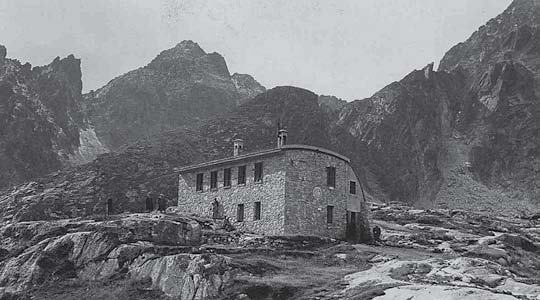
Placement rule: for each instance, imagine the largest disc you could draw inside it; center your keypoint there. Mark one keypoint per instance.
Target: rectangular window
(331, 176)
(227, 177)
(257, 211)
(258, 172)
(200, 177)
(240, 213)
(213, 180)
(353, 217)
(352, 188)
(329, 214)
(242, 175)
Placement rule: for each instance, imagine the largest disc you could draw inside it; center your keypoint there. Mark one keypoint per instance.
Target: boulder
(518, 241)
(185, 276)
(156, 228)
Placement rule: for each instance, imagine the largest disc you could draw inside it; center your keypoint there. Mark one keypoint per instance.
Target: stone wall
(271, 194)
(307, 194)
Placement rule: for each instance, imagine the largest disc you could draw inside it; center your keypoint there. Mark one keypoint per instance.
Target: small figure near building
(109, 207)
(162, 203)
(149, 203)
(377, 234)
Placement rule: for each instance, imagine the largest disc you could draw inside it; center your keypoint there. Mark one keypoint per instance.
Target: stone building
(291, 189)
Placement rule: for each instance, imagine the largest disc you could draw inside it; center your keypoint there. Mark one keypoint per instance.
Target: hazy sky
(349, 49)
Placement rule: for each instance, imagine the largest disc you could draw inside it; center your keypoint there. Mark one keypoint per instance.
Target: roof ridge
(262, 153)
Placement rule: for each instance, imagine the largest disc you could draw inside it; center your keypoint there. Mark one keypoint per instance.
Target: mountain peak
(185, 50)
(189, 46)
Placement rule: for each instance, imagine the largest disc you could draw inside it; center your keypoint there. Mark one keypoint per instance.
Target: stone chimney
(238, 147)
(282, 138)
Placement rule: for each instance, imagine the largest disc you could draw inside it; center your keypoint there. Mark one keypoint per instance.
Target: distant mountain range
(464, 136)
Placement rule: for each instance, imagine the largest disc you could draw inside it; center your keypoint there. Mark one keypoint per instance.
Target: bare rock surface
(141, 245)
(450, 254)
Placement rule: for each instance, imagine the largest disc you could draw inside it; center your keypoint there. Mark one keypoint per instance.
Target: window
(213, 180)
(227, 177)
(352, 188)
(353, 217)
(257, 211)
(329, 214)
(331, 176)
(258, 172)
(240, 213)
(200, 182)
(242, 175)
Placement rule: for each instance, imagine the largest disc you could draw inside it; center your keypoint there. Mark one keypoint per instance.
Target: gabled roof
(263, 153)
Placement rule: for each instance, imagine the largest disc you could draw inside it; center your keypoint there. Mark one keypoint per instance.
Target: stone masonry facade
(270, 193)
(294, 194)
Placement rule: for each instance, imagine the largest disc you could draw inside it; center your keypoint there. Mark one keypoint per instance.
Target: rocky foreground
(423, 254)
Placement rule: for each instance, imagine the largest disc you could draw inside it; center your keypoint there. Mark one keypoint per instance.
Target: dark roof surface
(267, 152)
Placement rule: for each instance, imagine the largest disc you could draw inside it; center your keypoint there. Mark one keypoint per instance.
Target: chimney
(238, 147)
(282, 138)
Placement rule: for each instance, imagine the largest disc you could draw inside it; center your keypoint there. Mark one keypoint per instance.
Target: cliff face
(181, 86)
(40, 118)
(399, 133)
(502, 120)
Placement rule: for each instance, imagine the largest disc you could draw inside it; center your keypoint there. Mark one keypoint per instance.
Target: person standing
(149, 203)
(162, 203)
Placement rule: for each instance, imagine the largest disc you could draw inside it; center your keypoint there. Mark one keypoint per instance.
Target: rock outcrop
(246, 86)
(142, 246)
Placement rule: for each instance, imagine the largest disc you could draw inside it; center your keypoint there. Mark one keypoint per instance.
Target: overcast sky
(349, 49)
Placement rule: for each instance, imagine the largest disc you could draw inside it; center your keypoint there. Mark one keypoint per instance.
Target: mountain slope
(399, 133)
(147, 166)
(501, 62)
(182, 85)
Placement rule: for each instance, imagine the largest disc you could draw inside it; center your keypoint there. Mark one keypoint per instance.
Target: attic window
(331, 177)
(242, 175)
(227, 177)
(213, 179)
(258, 172)
(199, 182)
